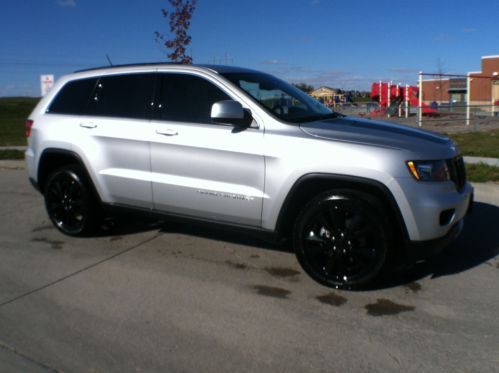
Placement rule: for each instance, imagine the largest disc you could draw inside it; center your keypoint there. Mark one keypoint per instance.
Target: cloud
(274, 62)
(321, 77)
(403, 70)
(316, 2)
(66, 3)
(19, 89)
(468, 30)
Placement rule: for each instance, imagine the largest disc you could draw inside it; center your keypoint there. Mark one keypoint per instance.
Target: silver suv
(245, 149)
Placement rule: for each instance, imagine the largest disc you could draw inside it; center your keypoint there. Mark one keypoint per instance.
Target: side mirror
(230, 112)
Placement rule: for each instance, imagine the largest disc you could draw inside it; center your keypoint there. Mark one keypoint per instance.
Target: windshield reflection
(279, 98)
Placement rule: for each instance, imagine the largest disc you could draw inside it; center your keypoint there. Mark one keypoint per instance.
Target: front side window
(187, 98)
(280, 98)
(126, 96)
(73, 97)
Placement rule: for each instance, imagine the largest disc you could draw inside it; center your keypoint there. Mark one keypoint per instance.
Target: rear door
(199, 168)
(116, 125)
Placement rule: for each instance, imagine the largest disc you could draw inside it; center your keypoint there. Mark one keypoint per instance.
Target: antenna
(109, 60)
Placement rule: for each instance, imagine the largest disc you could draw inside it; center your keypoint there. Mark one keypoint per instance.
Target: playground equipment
(396, 100)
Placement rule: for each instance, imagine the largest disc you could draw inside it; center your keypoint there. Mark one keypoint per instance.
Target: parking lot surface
(157, 296)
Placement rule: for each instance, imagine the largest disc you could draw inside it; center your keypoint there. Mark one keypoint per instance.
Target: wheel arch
(52, 159)
(310, 185)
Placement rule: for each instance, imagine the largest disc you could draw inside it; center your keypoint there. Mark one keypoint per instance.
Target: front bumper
(418, 250)
(430, 209)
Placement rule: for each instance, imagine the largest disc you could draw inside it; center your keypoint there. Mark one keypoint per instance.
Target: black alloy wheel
(341, 240)
(69, 203)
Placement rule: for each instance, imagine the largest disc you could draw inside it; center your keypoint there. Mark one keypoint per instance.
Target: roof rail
(127, 65)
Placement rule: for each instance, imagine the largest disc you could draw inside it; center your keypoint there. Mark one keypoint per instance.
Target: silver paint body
(211, 172)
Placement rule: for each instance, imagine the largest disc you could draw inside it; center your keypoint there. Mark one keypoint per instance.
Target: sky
(342, 44)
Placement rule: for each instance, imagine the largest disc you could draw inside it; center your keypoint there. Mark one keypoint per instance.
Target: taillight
(29, 124)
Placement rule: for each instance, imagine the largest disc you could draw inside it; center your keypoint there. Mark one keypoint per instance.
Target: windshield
(280, 98)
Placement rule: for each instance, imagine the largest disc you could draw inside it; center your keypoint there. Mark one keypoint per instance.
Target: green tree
(307, 88)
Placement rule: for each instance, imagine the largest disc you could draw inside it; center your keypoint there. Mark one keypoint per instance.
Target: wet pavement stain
(42, 228)
(332, 299)
(414, 287)
(56, 245)
(281, 272)
(385, 307)
(236, 265)
(115, 238)
(270, 291)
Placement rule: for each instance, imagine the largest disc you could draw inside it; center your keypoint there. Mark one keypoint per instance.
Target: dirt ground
(446, 122)
(452, 124)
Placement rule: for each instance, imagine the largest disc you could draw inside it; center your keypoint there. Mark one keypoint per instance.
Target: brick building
(484, 86)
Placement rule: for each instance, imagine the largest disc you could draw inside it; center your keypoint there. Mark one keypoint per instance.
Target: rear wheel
(69, 202)
(340, 239)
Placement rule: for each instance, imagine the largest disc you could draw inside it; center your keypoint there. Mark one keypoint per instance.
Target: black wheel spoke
(330, 264)
(355, 225)
(344, 243)
(340, 267)
(324, 221)
(67, 202)
(335, 218)
(314, 238)
(366, 255)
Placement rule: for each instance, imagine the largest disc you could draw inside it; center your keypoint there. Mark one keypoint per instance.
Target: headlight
(429, 170)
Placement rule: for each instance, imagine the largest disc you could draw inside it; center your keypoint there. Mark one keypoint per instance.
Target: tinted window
(126, 96)
(73, 97)
(187, 98)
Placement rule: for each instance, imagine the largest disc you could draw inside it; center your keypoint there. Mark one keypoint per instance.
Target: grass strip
(481, 172)
(11, 154)
(13, 114)
(478, 144)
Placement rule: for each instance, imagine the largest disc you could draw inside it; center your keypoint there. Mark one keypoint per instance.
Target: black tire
(69, 201)
(341, 239)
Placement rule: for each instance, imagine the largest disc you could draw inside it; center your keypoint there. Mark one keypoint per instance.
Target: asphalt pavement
(152, 296)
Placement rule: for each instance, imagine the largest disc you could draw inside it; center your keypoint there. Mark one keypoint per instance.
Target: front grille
(457, 172)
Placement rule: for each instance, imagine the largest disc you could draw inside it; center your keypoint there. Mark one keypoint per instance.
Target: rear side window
(187, 98)
(73, 97)
(127, 96)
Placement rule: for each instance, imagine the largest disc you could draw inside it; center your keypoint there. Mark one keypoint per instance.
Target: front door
(200, 169)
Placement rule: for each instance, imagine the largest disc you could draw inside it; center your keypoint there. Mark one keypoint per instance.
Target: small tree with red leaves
(180, 20)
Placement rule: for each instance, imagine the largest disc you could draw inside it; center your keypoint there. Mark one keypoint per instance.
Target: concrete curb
(23, 148)
(488, 161)
(11, 164)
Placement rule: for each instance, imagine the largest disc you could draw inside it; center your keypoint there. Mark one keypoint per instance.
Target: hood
(377, 133)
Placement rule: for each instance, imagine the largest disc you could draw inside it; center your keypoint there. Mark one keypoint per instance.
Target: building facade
(328, 95)
(484, 86)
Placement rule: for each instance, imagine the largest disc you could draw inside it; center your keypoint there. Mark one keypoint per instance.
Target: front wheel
(340, 239)
(69, 202)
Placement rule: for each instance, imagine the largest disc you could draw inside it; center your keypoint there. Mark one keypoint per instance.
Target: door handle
(88, 125)
(167, 132)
